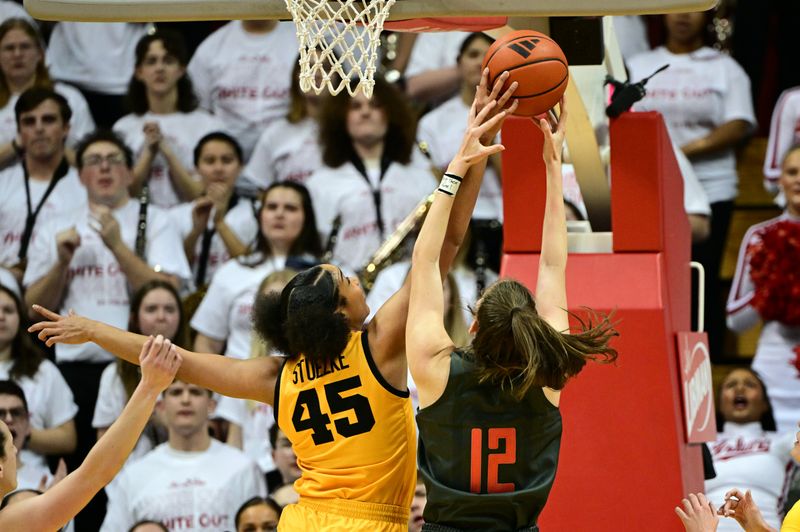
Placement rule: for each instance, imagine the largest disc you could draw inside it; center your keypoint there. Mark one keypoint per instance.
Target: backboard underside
(175, 10)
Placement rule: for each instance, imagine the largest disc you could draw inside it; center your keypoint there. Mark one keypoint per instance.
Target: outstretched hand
(160, 362)
(697, 514)
(483, 97)
(69, 329)
(554, 130)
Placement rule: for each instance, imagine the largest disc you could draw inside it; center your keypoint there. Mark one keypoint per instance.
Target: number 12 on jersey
(494, 460)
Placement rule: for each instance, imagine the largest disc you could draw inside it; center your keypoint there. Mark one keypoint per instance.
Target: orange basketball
(534, 61)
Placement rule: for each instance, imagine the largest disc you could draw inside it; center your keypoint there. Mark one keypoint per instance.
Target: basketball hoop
(338, 43)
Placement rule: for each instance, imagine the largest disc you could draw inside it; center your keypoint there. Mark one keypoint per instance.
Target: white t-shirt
(345, 192)
(631, 35)
(255, 420)
(182, 131)
(97, 287)
(244, 78)
(285, 152)
(784, 132)
(443, 130)
(697, 93)
(748, 458)
(224, 313)
(80, 124)
(7, 280)
(198, 491)
(435, 50)
(98, 56)
(29, 476)
(390, 280)
(240, 219)
(50, 402)
(111, 400)
(10, 9)
(67, 196)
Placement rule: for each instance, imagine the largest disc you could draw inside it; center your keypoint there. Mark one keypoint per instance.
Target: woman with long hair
(22, 66)
(506, 385)
(287, 238)
(165, 123)
(155, 309)
(373, 177)
(54, 508)
(50, 401)
(767, 254)
(748, 453)
(340, 396)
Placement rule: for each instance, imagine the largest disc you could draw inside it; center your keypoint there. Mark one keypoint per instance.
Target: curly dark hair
(26, 355)
(173, 43)
(337, 146)
(305, 317)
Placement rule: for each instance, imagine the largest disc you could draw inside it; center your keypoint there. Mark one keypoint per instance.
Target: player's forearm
(56, 440)
(461, 211)
(48, 291)
(554, 227)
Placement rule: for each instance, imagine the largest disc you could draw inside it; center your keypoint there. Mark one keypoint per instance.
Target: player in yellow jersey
(341, 396)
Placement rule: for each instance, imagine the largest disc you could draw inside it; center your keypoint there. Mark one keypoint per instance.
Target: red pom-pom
(774, 260)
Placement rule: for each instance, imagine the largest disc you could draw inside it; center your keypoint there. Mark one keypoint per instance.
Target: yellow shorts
(339, 514)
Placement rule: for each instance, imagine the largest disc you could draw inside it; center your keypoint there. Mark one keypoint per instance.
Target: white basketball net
(338, 43)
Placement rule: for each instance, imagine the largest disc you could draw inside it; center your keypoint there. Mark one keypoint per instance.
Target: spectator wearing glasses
(42, 185)
(95, 260)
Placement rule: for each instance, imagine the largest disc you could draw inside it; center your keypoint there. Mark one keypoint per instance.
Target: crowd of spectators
(159, 188)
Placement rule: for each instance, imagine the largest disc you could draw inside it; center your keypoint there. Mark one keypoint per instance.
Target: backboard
(174, 10)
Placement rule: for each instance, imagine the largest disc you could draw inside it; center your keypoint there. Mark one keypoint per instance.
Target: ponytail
(517, 349)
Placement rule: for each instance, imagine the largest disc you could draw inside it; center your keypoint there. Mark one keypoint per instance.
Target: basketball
(536, 62)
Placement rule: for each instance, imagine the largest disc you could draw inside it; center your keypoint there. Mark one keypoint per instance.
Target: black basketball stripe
(491, 80)
(566, 75)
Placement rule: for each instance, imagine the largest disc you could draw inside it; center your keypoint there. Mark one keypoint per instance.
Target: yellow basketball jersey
(353, 434)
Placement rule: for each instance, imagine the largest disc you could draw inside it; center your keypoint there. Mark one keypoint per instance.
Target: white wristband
(449, 184)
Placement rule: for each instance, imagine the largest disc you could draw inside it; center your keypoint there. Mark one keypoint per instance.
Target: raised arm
(551, 286)
(427, 343)
(247, 379)
(53, 509)
(387, 328)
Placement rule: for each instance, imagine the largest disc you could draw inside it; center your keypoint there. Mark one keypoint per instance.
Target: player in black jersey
(489, 423)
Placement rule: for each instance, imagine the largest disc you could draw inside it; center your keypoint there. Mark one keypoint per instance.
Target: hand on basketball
(698, 514)
(69, 329)
(472, 150)
(483, 97)
(160, 362)
(554, 130)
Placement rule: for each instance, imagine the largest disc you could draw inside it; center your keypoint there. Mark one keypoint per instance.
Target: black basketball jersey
(488, 460)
